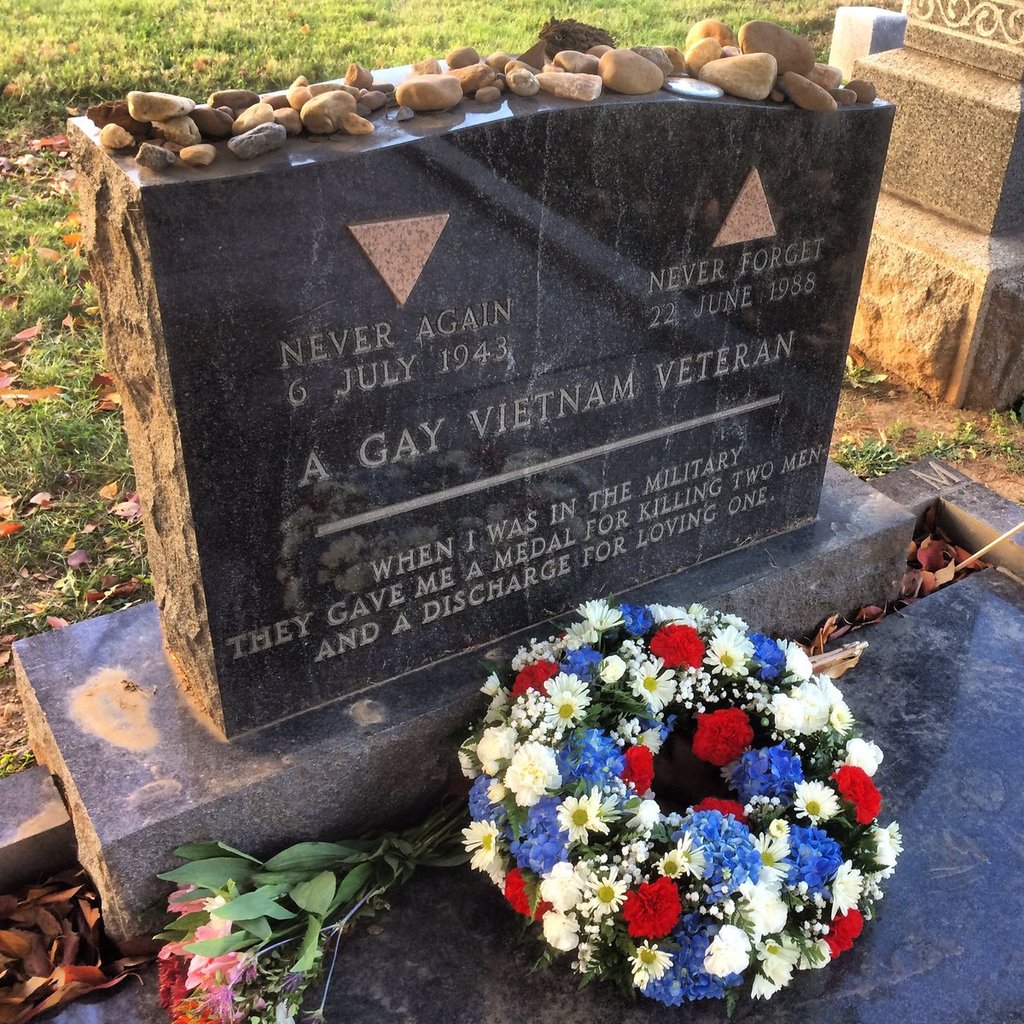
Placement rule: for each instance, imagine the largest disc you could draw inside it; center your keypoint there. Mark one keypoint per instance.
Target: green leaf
(212, 873)
(315, 856)
(317, 894)
(286, 879)
(261, 902)
(310, 946)
(258, 926)
(352, 883)
(188, 922)
(218, 947)
(203, 851)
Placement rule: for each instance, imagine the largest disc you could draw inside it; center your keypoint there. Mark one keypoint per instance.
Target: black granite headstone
(395, 396)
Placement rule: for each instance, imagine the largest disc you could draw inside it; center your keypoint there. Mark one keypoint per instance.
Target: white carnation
(561, 931)
(863, 754)
(797, 662)
(728, 953)
(532, 773)
(496, 744)
(612, 669)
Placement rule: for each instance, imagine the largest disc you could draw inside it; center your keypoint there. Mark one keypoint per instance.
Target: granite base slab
(36, 837)
(142, 772)
(939, 689)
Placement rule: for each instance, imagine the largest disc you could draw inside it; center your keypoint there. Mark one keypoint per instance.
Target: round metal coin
(692, 87)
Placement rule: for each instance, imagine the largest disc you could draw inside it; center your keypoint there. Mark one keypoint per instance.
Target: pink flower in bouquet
(210, 972)
(186, 906)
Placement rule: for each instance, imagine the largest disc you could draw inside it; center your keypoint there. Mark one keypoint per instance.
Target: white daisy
(496, 792)
(797, 662)
(847, 887)
(685, 858)
(578, 634)
(816, 801)
(777, 957)
(778, 828)
(841, 717)
(481, 839)
(579, 816)
(607, 892)
(532, 773)
(729, 651)
(569, 698)
(468, 764)
(654, 683)
(773, 850)
(662, 613)
(649, 964)
(600, 615)
(888, 847)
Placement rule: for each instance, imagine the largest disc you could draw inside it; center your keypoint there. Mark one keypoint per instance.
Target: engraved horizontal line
(436, 497)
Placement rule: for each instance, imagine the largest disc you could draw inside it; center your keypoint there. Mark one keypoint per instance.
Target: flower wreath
(680, 803)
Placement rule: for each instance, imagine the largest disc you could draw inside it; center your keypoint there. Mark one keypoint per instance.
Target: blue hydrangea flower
(816, 857)
(543, 843)
(770, 771)
(686, 980)
(729, 853)
(637, 618)
(771, 656)
(591, 755)
(582, 663)
(480, 806)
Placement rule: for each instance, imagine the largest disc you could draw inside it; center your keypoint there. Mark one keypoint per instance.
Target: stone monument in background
(942, 302)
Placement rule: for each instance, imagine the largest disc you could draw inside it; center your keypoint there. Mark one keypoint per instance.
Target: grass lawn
(70, 541)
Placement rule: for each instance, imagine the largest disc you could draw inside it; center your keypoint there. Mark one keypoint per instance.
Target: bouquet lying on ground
(249, 938)
(681, 805)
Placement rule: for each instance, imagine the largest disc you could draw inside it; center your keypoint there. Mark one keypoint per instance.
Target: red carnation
(533, 677)
(845, 928)
(678, 645)
(722, 736)
(171, 974)
(710, 803)
(855, 787)
(519, 898)
(639, 768)
(651, 911)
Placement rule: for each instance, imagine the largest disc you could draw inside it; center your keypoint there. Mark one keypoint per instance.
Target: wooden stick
(991, 544)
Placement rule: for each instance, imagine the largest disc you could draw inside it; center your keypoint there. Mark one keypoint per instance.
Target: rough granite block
(859, 31)
(36, 837)
(143, 773)
(986, 34)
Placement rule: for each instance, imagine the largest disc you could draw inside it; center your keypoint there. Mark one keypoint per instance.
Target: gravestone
(951, 216)
(396, 400)
(859, 31)
(392, 397)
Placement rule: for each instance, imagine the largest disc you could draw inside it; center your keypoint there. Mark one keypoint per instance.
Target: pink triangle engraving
(750, 216)
(399, 249)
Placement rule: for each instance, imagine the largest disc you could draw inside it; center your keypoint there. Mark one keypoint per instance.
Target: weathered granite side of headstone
(859, 31)
(143, 773)
(392, 397)
(942, 303)
(36, 836)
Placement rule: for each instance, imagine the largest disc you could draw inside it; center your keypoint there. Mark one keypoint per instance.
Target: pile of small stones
(763, 61)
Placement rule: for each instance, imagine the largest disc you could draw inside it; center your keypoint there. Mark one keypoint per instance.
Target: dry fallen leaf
(6, 529)
(109, 491)
(26, 396)
(56, 622)
(28, 334)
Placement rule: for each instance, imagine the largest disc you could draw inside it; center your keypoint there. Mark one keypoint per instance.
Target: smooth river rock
(264, 138)
(498, 60)
(656, 55)
(237, 99)
(258, 113)
(791, 52)
(291, 119)
(571, 87)
(462, 57)
(198, 156)
(473, 77)
(704, 51)
(844, 97)
(211, 122)
(356, 125)
(866, 91)
(181, 130)
(827, 76)
(113, 136)
(677, 57)
(358, 76)
(710, 28)
(576, 63)
(427, 66)
(627, 72)
(488, 94)
(750, 76)
(430, 92)
(158, 106)
(805, 94)
(323, 114)
(522, 82)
